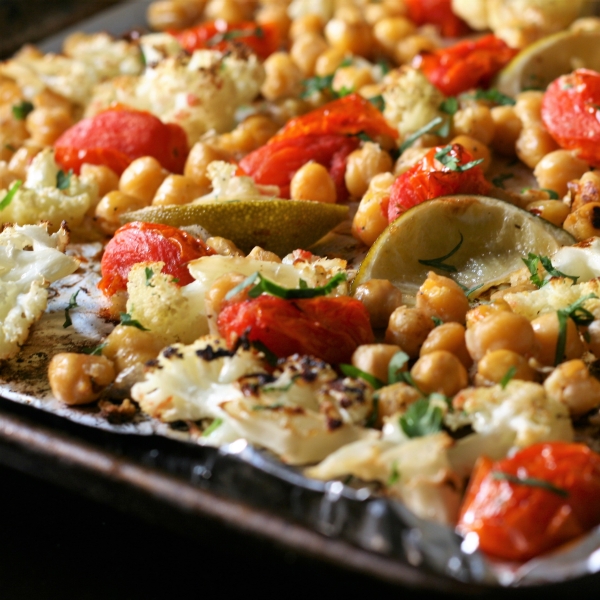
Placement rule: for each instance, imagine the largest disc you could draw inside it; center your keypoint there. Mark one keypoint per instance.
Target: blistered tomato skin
(116, 137)
(437, 12)
(328, 328)
(554, 500)
(429, 179)
(571, 113)
(148, 242)
(466, 65)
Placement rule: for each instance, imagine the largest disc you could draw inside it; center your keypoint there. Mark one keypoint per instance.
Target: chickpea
(45, 125)
(228, 10)
(21, 159)
(443, 298)
(213, 298)
(353, 38)
(585, 24)
(103, 177)
(10, 92)
(329, 61)
(142, 178)
(171, 14)
(79, 378)
(533, 144)
(554, 211)
(6, 177)
(196, 164)
(13, 132)
(48, 99)
(587, 189)
(592, 339)
(375, 12)
(572, 384)
(408, 47)
(584, 222)
(112, 206)
(495, 365)
(351, 78)
(375, 359)
(309, 23)
(250, 134)
(557, 168)
(528, 107)
(440, 371)
(449, 337)
(380, 298)
(408, 328)
(481, 311)
(390, 30)
(362, 165)
(396, 398)
(371, 216)
(546, 330)
(274, 14)
(128, 346)
(305, 51)
(478, 149)
(223, 246)
(176, 189)
(507, 128)
(283, 78)
(313, 182)
(475, 121)
(258, 253)
(500, 331)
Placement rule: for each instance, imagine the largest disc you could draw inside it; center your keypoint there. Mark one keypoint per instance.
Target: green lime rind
(278, 225)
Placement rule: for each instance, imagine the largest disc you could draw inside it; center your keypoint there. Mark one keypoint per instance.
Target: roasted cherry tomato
(437, 12)
(329, 328)
(540, 498)
(276, 163)
(349, 115)
(570, 112)
(263, 39)
(119, 135)
(443, 171)
(148, 242)
(465, 65)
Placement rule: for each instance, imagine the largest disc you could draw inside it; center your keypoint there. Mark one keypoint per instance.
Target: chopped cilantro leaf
(9, 196)
(72, 304)
(438, 263)
(127, 320)
(352, 371)
(21, 110)
(63, 180)
(421, 418)
(531, 482)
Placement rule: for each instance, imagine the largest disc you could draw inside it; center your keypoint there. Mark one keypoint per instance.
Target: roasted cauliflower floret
(30, 260)
(41, 199)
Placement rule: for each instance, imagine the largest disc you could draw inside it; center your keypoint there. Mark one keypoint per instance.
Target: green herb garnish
(9, 196)
(510, 373)
(97, 351)
(492, 95)
(451, 162)
(372, 418)
(500, 179)
(72, 304)
(395, 366)
(438, 263)
(149, 275)
(128, 321)
(449, 106)
(421, 418)
(394, 475)
(580, 315)
(378, 102)
(268, 406)
(437, 321)
(533, 260)
(212, 427)
(434, 126)
(352, 371)
(531, 482)
(63, 180)
(21, 110)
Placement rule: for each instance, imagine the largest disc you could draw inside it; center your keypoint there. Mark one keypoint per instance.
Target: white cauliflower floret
(162, 306)
(158, 46)
(581, 260)
(190, 382)
(417, 471)
(104, 55)
(321, 8)
(200, 92)
(519, 415)
(411, 101)
(557, 294)
(39, 198)
(30, 259)
(519, 22)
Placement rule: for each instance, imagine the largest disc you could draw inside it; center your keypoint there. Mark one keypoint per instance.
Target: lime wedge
(495, 236)
(280, 226)
(545, 60)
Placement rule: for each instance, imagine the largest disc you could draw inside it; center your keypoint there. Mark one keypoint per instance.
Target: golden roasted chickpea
(475, 121)
(250, 134)
(173, 14)
(443, 298)
(223, 246)
(592, 338)
(408, 328)
(573, 384)
(439, 371)
(21, 159)
(507, 128)
(196, 164)
(283, 77)
(587, 189)
(79, 378)
(142, 178)
(46, 125)
(110, 208)
(351, 37)
(305, 51)
(554, 211)
(103, 177)
(584, 222)
(127, 346)
(364, 164)
(176, 189)
(477, 149)
(557, 168)
(228, 10)
(313, 182)
(450, 337)
(546, 329)
(258, 253)
(497, 364)
(309, 23)
(481, 311)
(390, 30)
(380, 298)
(375, 359)
(213, 299)
(500, 331)
(371, 216)
(395, 398)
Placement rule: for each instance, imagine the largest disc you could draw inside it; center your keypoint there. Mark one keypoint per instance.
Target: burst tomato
(117, 136)
(571, 112)
(441, 172)
(148, 242)
(276, 163)
(465, 65)
(437, 12)
(540, 498)
(330, 328)
(263, 39)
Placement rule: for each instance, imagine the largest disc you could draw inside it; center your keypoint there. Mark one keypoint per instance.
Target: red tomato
(349, 115)
(556, 501)
(148, 242)
(429, 179)
(466, 65)
(437, 12)
(263, 39)
(119, 135)
(570, 112)
(276, 163)
(329, 328)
